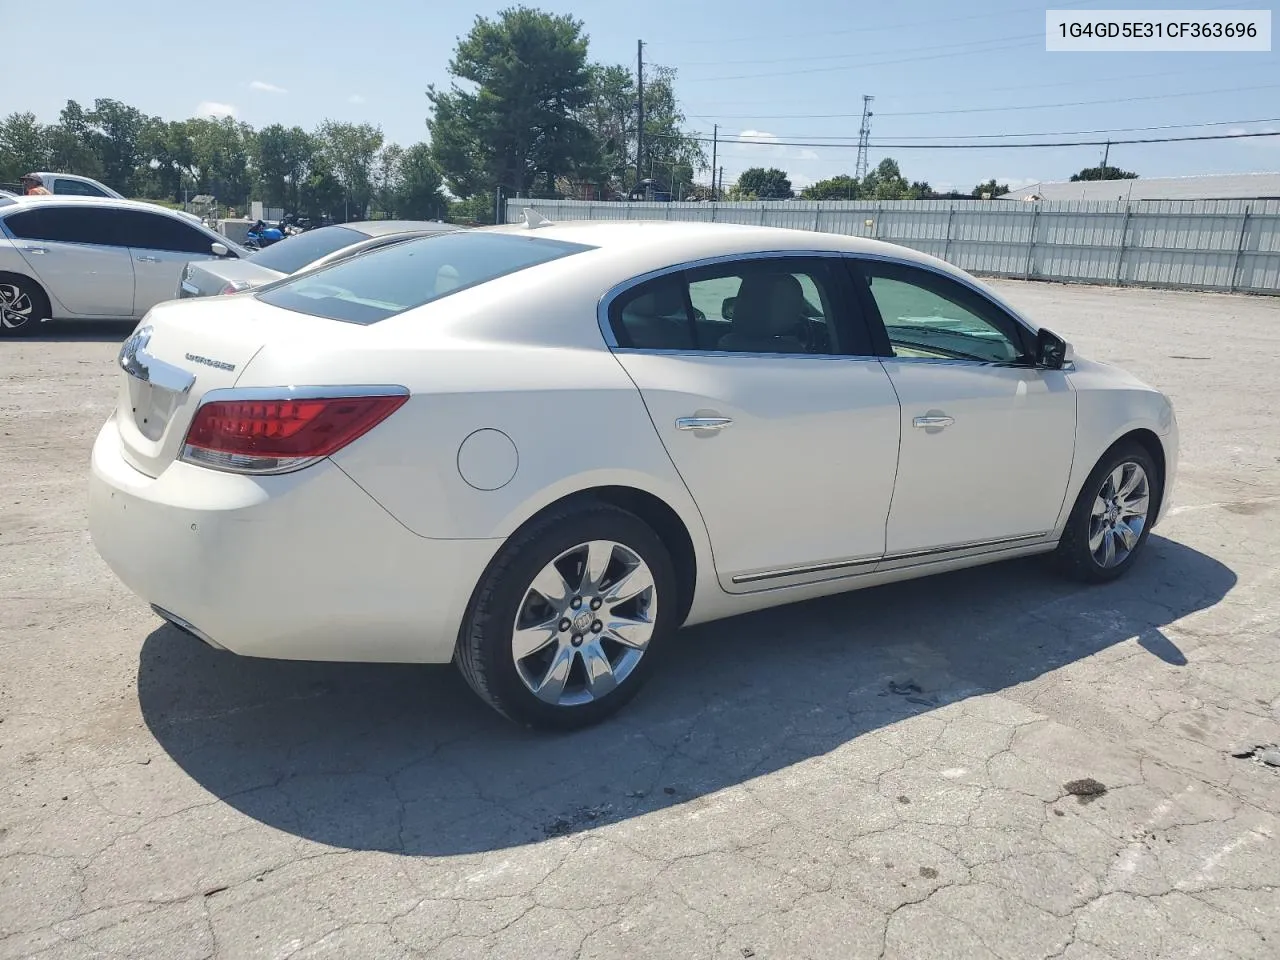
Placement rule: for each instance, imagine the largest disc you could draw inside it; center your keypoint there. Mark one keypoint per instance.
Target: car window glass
(293, 253)
(155, 231)
(76, 189)
(930, 316)
(783, 306)
(63, 225)
(386, 282)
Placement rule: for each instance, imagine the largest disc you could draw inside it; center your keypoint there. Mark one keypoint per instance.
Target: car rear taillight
(280, 434)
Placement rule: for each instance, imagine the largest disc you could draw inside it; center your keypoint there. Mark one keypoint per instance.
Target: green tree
(990, 188)
(758, 183)
(350, 150)
(920, 190)
(24, 146)
(520, 124)
(418, 189)
(320, 194)
(840, 187)
(885, 182)
(281, 163)
(1101, 172)
(73, 143)
(117, 129)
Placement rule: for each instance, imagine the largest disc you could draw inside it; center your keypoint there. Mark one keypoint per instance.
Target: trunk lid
(181, 351)
(209, 277)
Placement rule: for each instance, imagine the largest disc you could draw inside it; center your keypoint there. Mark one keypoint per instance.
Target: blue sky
(751, 66)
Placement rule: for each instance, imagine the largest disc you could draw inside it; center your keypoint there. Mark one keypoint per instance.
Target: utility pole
(715, 142)
(720, 189)
(864, 138)
(640, 111)
(1105, 154)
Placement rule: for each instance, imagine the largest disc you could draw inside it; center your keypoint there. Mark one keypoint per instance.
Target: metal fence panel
(1228, 245)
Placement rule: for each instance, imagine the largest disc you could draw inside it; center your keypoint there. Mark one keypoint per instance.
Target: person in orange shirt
(34, 186)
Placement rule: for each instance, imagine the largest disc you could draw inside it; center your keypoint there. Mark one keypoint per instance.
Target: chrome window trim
(606, 301)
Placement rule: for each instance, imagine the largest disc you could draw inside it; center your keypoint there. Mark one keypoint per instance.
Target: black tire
(1073, 556)
(21, 297)
(484, 651)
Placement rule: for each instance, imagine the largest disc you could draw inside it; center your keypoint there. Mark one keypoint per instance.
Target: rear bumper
(304, 566)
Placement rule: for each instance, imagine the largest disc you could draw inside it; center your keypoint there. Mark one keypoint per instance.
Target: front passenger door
(161, 246)
(987, 438)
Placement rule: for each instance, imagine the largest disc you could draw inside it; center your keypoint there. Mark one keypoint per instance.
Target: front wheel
(1111, 520)
(562, 628)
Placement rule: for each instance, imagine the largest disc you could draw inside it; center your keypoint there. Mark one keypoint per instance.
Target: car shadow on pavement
(55, 331)
(406, 759)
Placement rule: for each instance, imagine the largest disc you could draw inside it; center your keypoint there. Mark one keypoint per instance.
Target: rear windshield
(291, 255)
(405, 275)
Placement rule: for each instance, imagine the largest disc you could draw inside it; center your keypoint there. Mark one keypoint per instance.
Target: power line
(1035, 133)
(1001, 109)
(857, 56)
(1004, 87)
(909, 25)
(869, 63)
(1002, 146)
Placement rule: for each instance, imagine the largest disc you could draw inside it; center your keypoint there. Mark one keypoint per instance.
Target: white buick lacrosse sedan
(539, 449)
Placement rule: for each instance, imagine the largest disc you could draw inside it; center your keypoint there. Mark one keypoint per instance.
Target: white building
(1225, 186)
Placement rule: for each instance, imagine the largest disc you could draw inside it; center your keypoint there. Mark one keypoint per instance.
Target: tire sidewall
(503, 589)
(1126, 453)
(39, 302)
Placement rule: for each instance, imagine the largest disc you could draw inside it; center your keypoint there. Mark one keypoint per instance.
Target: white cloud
(264, 87)
(355, 98)
(762, 142)
(211, 108)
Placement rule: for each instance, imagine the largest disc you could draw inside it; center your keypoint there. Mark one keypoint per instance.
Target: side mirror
(219, 249)
(1052, 352)
(726, 307)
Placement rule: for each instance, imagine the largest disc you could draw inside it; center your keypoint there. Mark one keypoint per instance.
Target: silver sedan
(304, 251)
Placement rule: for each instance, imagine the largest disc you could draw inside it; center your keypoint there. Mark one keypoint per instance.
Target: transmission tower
(864, 138)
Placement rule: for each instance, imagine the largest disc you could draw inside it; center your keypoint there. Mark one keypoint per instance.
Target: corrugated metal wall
(1227, 245)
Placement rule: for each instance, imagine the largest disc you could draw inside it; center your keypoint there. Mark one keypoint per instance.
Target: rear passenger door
(759, 377)
(160, 246)
(72, 254)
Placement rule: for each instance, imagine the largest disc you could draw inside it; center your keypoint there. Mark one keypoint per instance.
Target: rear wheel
(562, 628)
(23, 305)
(1111, 519)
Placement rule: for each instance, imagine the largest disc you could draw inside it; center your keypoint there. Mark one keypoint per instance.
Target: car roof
(57, 199)
(383, 228)
(683, 240)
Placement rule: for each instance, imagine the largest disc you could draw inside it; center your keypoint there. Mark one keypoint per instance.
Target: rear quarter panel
(497, 357)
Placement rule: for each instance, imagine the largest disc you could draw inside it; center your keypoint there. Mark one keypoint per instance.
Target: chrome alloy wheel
(16, 308)
(584, 623)
(1119, 515)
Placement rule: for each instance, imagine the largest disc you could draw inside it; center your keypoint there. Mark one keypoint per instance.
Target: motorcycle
(260, 235)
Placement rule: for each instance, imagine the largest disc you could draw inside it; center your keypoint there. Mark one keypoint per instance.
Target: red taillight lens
(275, 435)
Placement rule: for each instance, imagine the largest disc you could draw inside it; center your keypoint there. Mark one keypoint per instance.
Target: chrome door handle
(36, 249)
(149, 259)
(702, 423)
(937, 422)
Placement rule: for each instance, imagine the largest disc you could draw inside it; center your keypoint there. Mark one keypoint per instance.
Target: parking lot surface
(994, 763)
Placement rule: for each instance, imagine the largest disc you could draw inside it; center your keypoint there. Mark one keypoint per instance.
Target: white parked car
(82, 258)
(540, 450)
